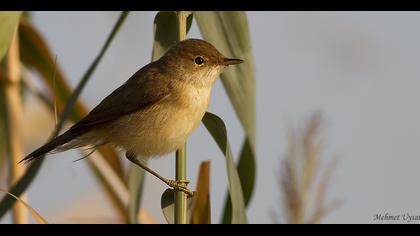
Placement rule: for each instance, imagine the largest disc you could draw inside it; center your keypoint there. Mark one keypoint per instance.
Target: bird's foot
(180, 185)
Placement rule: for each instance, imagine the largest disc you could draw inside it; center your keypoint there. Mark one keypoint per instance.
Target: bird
(154, 112)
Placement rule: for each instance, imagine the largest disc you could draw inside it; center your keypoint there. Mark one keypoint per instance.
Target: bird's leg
(177, 185)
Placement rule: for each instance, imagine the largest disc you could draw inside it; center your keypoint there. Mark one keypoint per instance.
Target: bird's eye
(199, 60)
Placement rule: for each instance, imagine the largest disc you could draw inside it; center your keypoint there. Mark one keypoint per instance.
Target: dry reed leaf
(201, 210)
(37, 217)
(145, 217)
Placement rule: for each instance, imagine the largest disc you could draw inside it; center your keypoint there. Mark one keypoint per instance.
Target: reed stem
(181, 157)
(14, 114)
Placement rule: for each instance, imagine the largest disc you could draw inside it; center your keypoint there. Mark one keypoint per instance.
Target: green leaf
(2, 129)
(246, 171)
(35, 215)
(136, 178)
(7, 202)
(217, 129)
(36, 55)
(23, 183)
(82, 83)
(85, 78)
(201, 210)
(229, 32)
(165, 30)
(167, 203)
(8, 23)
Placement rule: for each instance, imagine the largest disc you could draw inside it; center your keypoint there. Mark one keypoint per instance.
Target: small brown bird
(155, 111)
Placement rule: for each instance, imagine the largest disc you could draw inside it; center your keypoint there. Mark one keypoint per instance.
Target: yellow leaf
(37, 217)
(201, 211)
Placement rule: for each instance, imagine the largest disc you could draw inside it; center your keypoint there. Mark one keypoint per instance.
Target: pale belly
(162, 128)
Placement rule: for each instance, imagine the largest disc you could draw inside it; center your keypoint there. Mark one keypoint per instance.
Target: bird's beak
(231, 61)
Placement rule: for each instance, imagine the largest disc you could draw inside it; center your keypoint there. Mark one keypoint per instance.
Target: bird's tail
(58, 143)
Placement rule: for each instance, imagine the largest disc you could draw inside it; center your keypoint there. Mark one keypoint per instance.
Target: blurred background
(358, 69)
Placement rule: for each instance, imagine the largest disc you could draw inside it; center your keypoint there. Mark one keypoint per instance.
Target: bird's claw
(180, 185)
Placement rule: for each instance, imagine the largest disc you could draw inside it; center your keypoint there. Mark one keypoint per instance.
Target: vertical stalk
(181, 157)
(181, 197)
(14, 113)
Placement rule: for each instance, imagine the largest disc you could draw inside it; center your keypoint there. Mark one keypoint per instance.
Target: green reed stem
(181, 153)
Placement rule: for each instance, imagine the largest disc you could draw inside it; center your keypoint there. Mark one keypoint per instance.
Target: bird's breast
(190, 107)
(166, 125)
(191, 97)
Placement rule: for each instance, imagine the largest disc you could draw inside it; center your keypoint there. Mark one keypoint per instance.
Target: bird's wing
(142, 90)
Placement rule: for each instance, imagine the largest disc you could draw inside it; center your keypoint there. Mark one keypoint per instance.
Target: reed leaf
(165, 31)
(37, 217)
(217, 129)
(8, 22)
(230, 33)
(2, 130)
(36, 55)
(7, 202)
(136, 177)
(167, 204)
(201, 210)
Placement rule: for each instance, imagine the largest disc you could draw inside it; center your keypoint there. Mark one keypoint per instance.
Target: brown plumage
(156, 110)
